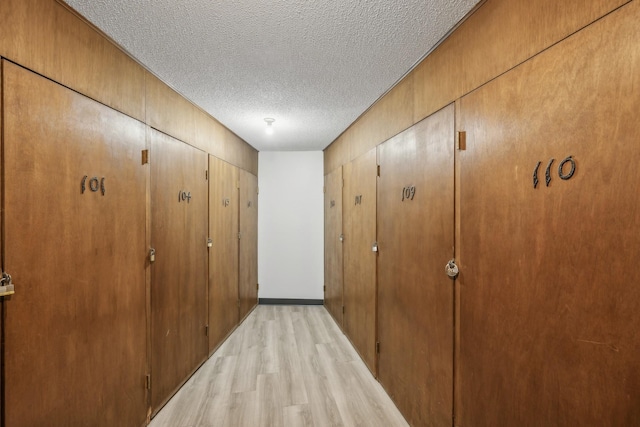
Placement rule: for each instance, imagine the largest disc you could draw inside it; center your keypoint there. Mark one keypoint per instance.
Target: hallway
(283, 366)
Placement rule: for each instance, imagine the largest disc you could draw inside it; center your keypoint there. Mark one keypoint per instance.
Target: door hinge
(145, 157)
(239, 234)
(206, 175)
(461, 143)
(343, 309)
(324, 288)
(378, 172)
(206, 330)
(257, 286)
(378, 348)
(148, 382)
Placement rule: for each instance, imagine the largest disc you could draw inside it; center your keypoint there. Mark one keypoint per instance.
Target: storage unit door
(359, 204)
(179, 205)
(333, 244)
(550, 302)
(223, 253)
(248, 277)
(74, 214)
(415, 296)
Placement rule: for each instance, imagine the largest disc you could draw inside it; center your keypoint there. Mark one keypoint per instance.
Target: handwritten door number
(95, 184)
(561, 171)
(184, 196)
(408, 193)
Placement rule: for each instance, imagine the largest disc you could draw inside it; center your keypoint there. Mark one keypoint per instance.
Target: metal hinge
(239, 234)
(206, 175)
(6, 286)
(378, 348)
(325, 288)
(343, 309)
(378, 172)
(206, 330)
(145, 157)
(257, 286)
(461, 143)
(148, 382)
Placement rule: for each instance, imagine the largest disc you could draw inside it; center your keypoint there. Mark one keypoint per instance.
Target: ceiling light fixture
(269, 129)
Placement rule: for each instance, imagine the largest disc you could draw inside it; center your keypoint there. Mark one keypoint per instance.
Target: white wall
(291, 225)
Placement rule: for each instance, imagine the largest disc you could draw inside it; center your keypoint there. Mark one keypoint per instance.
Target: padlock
(451, 269)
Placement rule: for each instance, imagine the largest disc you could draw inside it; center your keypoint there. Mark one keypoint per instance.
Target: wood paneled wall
(52, 40)
(499, 35)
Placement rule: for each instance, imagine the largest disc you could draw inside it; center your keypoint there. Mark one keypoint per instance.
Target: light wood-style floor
(284, 366)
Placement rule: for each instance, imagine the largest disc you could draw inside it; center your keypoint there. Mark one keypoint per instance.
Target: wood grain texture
(415, 296)
(498, 36)
(390, 115)
(46, 37)
(214, 138)
(359, 218)
(315, 379)
(168, 112)
(333, 267)
(223, 255)
(179, 273)
(75, 330)
(549, 306)
(248, 276)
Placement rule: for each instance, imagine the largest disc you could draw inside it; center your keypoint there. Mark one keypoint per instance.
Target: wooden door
(179, 274)
(333, 244)
(549, 293)
(415, 296)
(74, 212)
(359, 212)
(223, 254)
(248, 277)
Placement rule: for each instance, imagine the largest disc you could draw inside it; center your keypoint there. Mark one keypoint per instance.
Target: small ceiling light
(269, 129)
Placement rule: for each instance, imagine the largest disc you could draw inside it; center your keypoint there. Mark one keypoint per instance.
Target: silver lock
(341, 237)
(152, 255)
(374, 247)
(452, 269)
(209, 242)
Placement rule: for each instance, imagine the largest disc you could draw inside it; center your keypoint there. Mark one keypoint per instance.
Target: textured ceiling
(314, 66)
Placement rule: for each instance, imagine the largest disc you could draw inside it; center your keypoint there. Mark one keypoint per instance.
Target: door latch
(152, 255)
(452, 269)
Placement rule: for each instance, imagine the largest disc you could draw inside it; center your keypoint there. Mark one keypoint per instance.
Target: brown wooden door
(359, 210)
(248, 277)
(333, 244)
(415, 296)
(223, 254)
(549, 297)
(179, 274)
(74, 213)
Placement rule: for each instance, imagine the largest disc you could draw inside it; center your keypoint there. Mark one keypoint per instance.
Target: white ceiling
(313, 65)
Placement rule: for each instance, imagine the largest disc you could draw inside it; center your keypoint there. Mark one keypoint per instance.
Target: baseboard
(287, 301)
